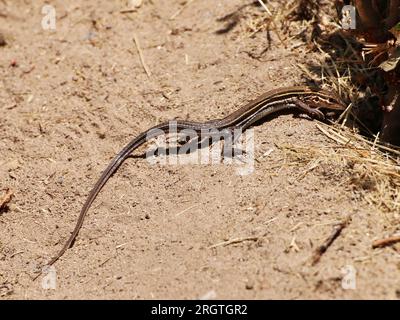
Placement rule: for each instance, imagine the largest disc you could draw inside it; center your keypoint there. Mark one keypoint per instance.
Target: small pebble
(250, 285)
(101, 134)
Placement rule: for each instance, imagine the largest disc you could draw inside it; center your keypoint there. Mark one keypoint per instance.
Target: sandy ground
(70, 99)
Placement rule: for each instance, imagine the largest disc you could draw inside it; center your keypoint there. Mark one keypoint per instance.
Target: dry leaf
(392, 62)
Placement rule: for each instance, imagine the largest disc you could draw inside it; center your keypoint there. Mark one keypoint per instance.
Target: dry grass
(371, 169)
(287, 19)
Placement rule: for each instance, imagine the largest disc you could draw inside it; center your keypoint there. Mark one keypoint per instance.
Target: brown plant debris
(385, 242)
(6, 199)
(328, 242)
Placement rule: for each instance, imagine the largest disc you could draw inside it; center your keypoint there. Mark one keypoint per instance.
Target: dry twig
(233, 241)
(328, 242)
(385, 242)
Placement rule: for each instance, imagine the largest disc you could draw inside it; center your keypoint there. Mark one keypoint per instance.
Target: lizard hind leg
(313, 112)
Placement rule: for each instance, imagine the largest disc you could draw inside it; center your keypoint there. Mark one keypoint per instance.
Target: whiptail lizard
(315, 102)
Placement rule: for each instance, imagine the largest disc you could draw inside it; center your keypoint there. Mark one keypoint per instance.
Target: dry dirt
(70, 99)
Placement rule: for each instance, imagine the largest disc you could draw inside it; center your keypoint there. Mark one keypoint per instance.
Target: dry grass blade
(145, 67)
(233, 241)
(179, 11)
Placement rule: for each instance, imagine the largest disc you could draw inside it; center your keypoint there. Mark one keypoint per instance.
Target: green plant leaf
(397, 27)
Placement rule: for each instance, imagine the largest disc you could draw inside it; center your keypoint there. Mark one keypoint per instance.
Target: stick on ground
(385, 242)
(328, 242)
(233, 241)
